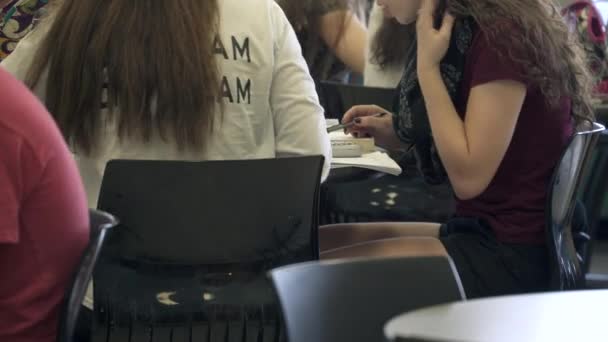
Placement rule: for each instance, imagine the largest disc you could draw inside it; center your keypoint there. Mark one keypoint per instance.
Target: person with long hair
(386, 50)
(180, 79)
(492, 92)
(172, 80)
(333, 38)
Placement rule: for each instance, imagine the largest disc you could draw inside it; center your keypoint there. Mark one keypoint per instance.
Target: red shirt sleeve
(11, 185)
(19, 170)
(492, 62)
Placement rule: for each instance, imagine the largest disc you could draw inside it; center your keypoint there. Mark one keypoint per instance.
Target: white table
(552, 317)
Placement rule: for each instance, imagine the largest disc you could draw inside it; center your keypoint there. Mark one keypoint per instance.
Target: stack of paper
(372, 159)
(378, 161)
(367, 144)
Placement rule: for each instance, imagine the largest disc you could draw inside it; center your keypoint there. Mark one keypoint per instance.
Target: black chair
(601, 224)
(566, 262)
(351, 300)
(336, 98)
(195, 243)
(100, 224)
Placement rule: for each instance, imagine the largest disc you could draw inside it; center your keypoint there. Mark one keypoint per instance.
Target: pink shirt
(43, 217)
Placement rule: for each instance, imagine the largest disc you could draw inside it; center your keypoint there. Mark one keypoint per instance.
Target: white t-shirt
(271, 108)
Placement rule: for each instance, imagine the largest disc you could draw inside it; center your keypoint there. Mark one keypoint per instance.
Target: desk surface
(552, 317)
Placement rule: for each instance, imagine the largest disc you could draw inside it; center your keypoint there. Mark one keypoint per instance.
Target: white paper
(340, 135)
(378, 161)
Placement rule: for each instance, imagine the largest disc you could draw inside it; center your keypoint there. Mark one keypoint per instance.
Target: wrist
(428, 76)
(429, 70)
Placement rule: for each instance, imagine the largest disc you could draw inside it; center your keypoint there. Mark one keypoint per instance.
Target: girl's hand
(433, 43)
(367, 123)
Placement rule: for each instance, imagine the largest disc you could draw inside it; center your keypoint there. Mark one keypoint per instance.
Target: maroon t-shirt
(514, 202)
(43, 217)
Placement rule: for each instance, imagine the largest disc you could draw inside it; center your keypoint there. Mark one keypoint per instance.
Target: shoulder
(242, 10)
(492, 56)
(251, 15)
(24, 119)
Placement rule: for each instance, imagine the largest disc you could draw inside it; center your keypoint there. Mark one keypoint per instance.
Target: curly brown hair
(532, 33)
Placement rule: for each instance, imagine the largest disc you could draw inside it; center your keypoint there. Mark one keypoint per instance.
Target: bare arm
(472, 150)
(350, 49)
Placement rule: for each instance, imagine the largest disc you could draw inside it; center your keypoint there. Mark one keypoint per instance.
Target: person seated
(172, 80)
(332, 37)
(489, 102)
(44, 222)
(230, 83)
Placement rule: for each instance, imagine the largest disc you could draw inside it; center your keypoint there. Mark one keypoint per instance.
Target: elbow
(468, 188)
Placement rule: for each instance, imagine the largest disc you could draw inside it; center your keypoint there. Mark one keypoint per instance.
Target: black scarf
(411, 121)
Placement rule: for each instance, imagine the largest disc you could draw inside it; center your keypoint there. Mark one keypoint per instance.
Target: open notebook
(377, 160)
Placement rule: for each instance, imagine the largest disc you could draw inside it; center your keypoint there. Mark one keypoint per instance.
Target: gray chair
(567, 270)
(351, 300)
(595, 192)
(100, 224)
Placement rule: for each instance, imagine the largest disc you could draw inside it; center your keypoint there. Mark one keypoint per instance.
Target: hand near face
(433, 43)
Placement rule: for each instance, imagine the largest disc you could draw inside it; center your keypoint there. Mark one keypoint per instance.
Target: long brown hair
(534, 35)
(390, 43)
(154, 58)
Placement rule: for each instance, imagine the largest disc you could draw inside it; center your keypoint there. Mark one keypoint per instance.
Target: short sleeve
(493, 62)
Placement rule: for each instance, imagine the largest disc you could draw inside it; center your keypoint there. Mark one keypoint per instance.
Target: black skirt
(488, 267)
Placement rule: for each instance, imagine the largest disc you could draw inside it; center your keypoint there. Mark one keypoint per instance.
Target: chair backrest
(566, 269)
(195, 243)
(100, 223)
(337, 98)
(351, 300)
(594, 193)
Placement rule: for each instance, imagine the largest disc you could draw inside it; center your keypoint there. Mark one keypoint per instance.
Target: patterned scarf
(411, 122)
(17, 20)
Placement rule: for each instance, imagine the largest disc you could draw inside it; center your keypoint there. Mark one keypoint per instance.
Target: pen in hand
(349, 124)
